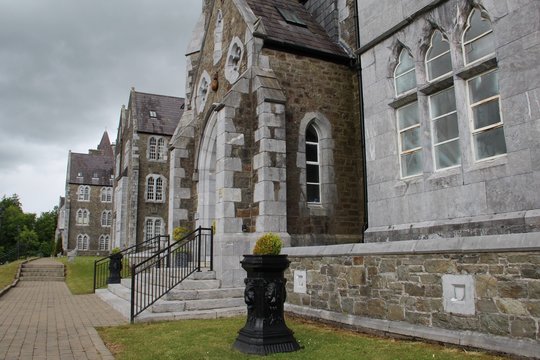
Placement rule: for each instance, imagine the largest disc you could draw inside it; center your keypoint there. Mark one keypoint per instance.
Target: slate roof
(94, 168)
(312, 37)
(168, 111)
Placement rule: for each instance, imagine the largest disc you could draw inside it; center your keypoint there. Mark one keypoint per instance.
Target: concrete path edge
(16, 279)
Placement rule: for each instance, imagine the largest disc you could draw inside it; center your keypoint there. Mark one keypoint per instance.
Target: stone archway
(206, 165)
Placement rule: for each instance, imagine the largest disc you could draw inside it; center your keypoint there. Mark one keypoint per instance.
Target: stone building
(270, 140)
(142, 167)
(88, 200)
(451, 112)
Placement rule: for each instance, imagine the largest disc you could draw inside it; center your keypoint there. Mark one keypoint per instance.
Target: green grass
(8, 272)
(80, 274)
(213, 339)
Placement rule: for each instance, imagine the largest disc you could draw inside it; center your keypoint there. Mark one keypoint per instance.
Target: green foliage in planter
(268, 244)
(116, 250)
(179, 232)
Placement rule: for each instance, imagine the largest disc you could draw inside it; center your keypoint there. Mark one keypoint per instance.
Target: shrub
(268, 244)
(116, 250)
(179, 232)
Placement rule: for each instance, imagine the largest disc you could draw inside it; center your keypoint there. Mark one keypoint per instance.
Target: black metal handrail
(151, 246)
(156, 276)
(20, 250)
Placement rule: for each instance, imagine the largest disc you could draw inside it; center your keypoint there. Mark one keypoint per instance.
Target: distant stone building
(141, 185)
(60, 234)
(88, 200)
(270, 140)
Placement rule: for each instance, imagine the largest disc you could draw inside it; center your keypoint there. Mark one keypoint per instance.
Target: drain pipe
(362, 126)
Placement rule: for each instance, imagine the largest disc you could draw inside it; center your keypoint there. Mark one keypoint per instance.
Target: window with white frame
(409, 139)
(83, 193)
(478, 42)
(104, 241)
(106, 218)
(106, 194)
(485, 114)
(313, 176)
(444, 113)
(404, 74)
(438, 60)
(157, 149)
(153, 227)
(83, 242)
(444, 129)
(83, 217)
(155, 188)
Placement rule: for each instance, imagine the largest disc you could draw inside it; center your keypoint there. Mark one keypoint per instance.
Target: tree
(29, 241)
(45, 229)
(13, 220)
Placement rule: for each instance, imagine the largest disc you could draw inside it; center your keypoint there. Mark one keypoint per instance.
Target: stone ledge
(16, 280)
(486, 243)
(527, 348)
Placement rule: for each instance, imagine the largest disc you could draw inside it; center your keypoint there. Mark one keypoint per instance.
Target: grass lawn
(8, 272)
(80, 274)
(213, 339)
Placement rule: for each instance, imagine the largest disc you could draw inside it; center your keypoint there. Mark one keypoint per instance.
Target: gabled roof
(91, 169)
(105, 145)
(167, 110)
(310, 37)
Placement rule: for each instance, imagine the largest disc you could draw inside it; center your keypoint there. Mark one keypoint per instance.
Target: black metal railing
(157, 275)
(131, 255)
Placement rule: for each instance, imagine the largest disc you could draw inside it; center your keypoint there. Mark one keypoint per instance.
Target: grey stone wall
(502, 188)
(408, 288)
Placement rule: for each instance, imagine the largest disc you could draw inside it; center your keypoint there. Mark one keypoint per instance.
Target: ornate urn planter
(265, 331)
(115, 268)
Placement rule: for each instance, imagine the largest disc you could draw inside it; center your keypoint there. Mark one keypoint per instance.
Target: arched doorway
(206, 165)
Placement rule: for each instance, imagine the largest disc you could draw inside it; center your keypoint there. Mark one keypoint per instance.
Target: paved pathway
(43, 320)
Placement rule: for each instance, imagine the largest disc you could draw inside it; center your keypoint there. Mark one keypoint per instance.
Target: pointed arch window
(405, 73)
(160, 153)
(104, 241)
(409, 138)
(155, 188)
(83, 242)
(106, 194)
(153, 227)
(83, 217)
(438, 60)
(106, 218)
(478, 42)
(313, 178)
(83, 193)
(152, 153)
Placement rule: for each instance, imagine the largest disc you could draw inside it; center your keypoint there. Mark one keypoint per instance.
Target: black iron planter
(115, 268)
(265, 331)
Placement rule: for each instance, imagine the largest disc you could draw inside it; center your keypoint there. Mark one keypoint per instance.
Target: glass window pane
(312, 173)
(447, 154)
(490, 143)
(411, 164)
(406, 82)
(480, 48)
(484, 86)
(438, 46)
(410, 139)
(406, 63)
(311, 152)
(408, 115)
(486, 114)
(311, 134)
(478, 26)
(440, 66)
(313, 193)
(445, 128)
(443, 103)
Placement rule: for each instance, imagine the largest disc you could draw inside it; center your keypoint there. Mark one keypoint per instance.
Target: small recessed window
(291, 17)
(153, 114)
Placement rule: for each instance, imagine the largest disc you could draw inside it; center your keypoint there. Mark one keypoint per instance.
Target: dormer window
(153, 114)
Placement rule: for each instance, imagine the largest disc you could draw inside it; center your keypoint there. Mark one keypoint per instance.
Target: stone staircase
(42, 270)
(198, 297)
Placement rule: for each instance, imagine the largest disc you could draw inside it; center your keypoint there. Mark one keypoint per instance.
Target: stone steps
(198, 297)
(35, 271)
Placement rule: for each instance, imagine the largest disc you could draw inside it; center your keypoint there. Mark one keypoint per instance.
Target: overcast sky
(66, 68)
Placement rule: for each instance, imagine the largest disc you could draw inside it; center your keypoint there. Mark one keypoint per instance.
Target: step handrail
(154, 277)
(101, 266)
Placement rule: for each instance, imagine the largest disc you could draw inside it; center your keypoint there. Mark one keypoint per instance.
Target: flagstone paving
(43, 320)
